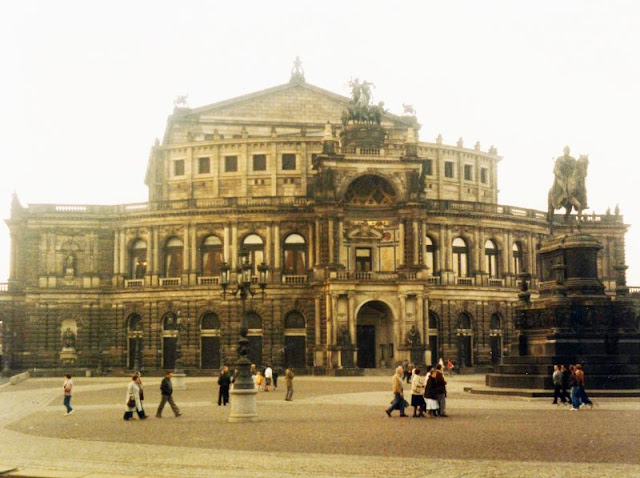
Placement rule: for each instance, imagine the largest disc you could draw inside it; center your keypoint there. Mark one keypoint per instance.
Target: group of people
(267, 378)
(572, 379)
(407, 368)
(428, 392)
(135, 397)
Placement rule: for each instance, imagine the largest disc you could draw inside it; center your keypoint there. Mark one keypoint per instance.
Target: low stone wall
(21, 377)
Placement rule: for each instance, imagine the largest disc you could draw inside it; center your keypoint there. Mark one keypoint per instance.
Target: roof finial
(297, 73)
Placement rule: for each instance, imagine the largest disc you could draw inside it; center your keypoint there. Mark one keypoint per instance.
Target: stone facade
(363, 244)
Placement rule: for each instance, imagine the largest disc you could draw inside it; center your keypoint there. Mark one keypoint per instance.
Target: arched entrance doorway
(374, 335)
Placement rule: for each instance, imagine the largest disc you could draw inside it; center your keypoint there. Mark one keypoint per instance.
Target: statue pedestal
(179, 381)
(346, 356)
(68, 355)
(573, 321)
(243, 405)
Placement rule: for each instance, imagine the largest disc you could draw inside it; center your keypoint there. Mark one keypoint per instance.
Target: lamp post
(179, 375)
(243, 403)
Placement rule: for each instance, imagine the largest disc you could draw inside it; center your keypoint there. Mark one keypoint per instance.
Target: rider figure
(562, 170)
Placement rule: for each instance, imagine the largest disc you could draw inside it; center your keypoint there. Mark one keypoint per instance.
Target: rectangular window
(230, 164)
(204, 166)
(428, 167)
(468, 172)
(484, 175)
(448, 169)
(178, 167)
(259, 162)
(288, 162)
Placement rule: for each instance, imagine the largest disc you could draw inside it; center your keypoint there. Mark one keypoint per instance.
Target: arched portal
(374, 338)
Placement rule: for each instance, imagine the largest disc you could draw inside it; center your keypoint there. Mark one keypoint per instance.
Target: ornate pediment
(364, 231)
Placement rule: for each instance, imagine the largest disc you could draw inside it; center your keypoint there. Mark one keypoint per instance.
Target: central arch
(374, 337)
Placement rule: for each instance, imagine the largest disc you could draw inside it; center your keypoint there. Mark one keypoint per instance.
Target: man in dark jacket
(441, 392)
(224, 380)
(166, 389)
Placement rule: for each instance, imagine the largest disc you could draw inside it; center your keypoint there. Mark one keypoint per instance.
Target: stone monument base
(178, 381)
(68, 356)
(243, 405)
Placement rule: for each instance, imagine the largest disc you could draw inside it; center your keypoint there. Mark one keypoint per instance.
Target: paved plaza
(333, 427)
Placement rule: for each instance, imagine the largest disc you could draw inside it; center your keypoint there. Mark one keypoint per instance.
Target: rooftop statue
(297, 73)
(569, 190)
(361, 108)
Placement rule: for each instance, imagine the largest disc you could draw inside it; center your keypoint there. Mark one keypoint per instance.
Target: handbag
(131, 403)
(141, 395)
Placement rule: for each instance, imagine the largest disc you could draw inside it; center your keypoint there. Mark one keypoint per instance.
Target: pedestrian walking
(582, 393)
(133, 402)
(441, 392)
(67, 386)
(410, 368)
(288, 380)
(450, 367)
(268, 376)
(566, 377)
(276, 373)
(556, 377)
(139, 382)
(417, 392)
(573, 382)
(431, 393)
(224, 382)
(166, 390)
(398, 402)
(405, 370)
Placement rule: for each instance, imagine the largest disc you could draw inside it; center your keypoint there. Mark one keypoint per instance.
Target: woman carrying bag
(133, 399)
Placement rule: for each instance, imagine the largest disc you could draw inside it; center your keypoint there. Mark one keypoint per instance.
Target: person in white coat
(133, 402)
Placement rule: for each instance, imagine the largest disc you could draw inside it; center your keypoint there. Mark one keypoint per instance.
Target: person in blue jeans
(398, 402)
(68, 392)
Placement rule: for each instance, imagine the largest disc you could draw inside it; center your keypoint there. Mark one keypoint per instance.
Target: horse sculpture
(569, 189)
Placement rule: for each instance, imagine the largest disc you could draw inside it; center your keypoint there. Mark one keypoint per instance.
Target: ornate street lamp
(243, 403)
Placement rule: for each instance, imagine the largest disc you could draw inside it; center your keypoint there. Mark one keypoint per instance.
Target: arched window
(169, 322)
(370, 190)
(210, 321)
(211, 256)
(173, 257)
(138, 259)
(432, 258)
(295, 255)
(464, 320)
(254, 321)
(495, 321)
(517, 257)
(294, 320)
(491, 258)
(135, 323)
(460, 257)
(255, 247)
(433, 320)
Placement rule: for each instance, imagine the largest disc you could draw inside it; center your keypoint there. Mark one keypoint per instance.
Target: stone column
(402, 330)
(416, 243)
(123, 252)
(506, 263)
(401, 243)
(318, 325)
(317, 241)
(310, 255)
(225, 245)
(331, 242)
(234, 246)
(352, 319)
(276, 243)
(480, 239)
(531, 257)
(156, 256)
(334, 319)
(116, 254)
(341, 243)
(186, 252)
(194, 256)
(267, 251)
(442, 249)
(423, 249)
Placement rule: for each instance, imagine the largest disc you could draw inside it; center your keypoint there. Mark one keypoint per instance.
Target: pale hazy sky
(87, 85)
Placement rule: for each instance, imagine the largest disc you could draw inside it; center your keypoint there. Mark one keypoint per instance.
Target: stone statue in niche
(413, 337)
(343, 336)
(70, 265)
(68, 339)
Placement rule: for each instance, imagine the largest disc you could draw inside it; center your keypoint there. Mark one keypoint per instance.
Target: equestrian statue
(569, 190)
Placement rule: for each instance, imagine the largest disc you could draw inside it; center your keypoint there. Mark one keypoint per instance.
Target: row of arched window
(460, 257)
(211, 321)
(211, 256)
(294, 256)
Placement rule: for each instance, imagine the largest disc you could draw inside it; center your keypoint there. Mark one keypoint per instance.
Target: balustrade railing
(170, 281)
(209, 280)
(634, 290)
(4, 287)
(496, 282)
(433, 280)
(294, 279)
(464, 280)
(133, 283)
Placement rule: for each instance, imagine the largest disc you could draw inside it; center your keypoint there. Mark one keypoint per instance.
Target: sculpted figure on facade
(344, 339)
(569, 189)
(360, 108)
(413, 337)
(69, 339)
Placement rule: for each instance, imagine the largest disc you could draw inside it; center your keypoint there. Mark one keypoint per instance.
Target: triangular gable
(294, 102)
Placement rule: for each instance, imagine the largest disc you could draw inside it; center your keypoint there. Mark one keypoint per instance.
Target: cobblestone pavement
(334, 427)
